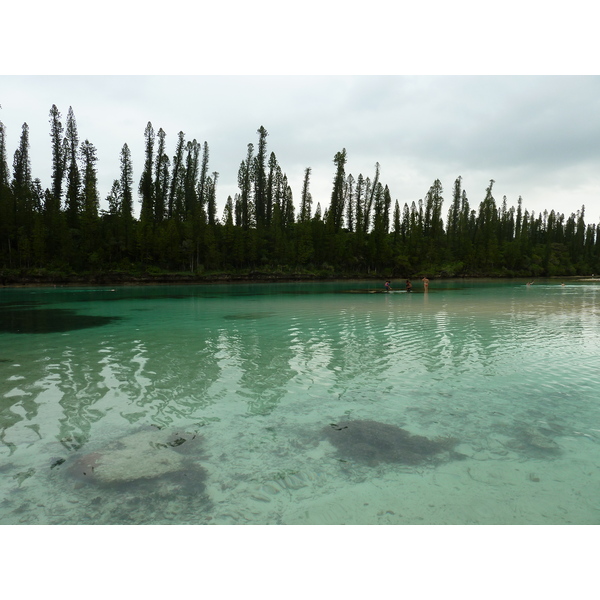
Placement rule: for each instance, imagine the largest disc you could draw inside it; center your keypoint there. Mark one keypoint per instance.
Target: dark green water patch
(20, 304)
(49, 320)
(371, 443)
(248, 316)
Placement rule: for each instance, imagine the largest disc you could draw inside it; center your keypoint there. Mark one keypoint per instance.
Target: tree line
(359, 232)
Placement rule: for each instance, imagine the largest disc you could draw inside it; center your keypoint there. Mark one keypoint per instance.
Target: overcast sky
(456, 90)
(538, 137)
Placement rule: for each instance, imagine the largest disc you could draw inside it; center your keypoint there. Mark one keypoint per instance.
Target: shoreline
(123, 279)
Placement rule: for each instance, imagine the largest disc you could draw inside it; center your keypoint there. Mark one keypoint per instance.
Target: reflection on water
(113, 382)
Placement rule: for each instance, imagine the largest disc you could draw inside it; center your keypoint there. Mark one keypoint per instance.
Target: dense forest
(60, 231)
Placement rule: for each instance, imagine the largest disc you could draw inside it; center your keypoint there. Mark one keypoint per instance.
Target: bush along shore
(61, 235)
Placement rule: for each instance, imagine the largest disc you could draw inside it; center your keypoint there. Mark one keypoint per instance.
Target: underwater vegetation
(371, 443)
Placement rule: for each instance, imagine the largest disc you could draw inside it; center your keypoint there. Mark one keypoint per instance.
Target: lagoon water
(220, 404)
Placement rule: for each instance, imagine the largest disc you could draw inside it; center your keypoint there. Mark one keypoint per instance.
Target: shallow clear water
(220, 404)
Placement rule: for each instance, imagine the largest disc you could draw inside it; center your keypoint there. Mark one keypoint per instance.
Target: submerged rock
(145, 455)
(535, 442)
(534, 437)
(371, 442)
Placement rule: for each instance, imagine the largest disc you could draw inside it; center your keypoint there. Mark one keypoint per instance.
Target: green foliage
(178, 229)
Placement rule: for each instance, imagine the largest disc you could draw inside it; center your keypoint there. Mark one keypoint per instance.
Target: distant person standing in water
(408, 285)
(425, 283)
(388, 287)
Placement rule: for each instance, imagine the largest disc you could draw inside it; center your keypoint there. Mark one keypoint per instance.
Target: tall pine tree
(71, 145)
(58, 158)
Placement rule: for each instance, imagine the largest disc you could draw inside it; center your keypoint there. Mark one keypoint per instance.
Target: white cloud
(535, 136)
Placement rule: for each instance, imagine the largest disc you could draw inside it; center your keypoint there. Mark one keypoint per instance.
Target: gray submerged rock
(144, 455)
(371, 442)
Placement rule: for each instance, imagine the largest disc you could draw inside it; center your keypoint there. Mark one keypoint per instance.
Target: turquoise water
(226, 404)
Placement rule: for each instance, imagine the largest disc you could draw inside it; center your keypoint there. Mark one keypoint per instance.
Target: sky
(536, 136)
(434, 91)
